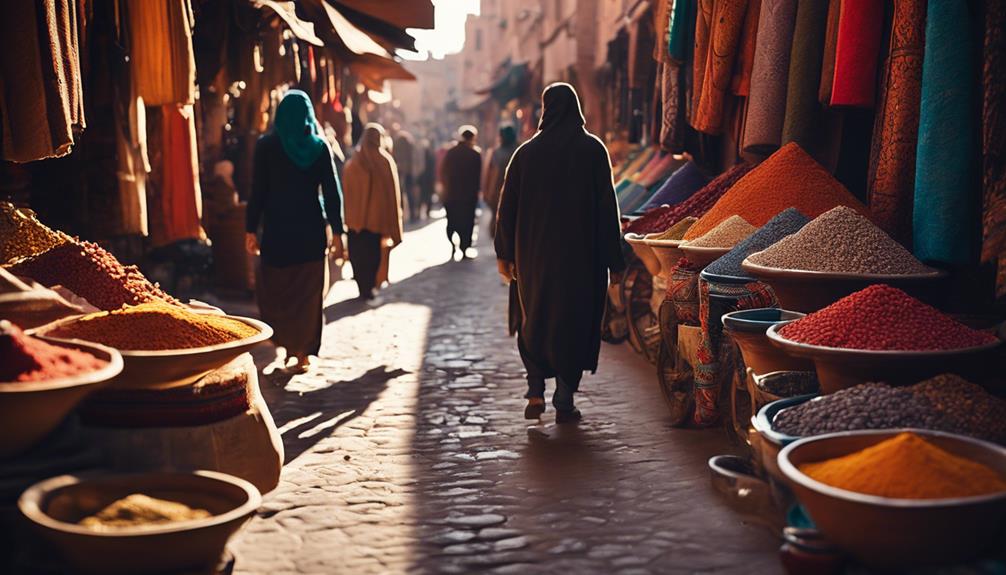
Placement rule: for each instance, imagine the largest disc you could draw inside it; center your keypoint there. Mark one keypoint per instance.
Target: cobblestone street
(406, 450)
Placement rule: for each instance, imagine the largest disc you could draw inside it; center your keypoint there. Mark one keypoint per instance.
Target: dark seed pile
(841, 241)
(789, 221)
(865, 406)
(788, 383)
(966, 407)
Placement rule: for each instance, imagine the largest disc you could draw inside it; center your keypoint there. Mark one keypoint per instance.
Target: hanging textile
(860, 28)
(131, 153)
(740, 84)
(891, 179)
(677, 32)
(830, 44)
(164, 65)
(994, 139)
(661, 26)
(803, 119)
(671, 128)
(181, 199)
(726, 23)
(41, 99)
(703, 31)
(944, 213)
(767, 104)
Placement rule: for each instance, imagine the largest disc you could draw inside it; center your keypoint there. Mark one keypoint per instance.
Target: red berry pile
(881, 317)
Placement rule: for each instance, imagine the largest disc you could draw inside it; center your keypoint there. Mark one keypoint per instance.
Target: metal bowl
(55, 506)
(643, 252)
(809, 291)
(895, 533)
(839, 368)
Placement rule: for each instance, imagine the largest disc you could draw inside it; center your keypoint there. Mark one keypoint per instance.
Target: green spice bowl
(747, 328)
(809, 291)
(55, 506)
(31, 410)
(643, 252)
(701, 256)
(839, 368)
(888, 533)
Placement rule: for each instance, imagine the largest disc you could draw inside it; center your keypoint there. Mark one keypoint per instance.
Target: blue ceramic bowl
(758, 320)
(766, 415)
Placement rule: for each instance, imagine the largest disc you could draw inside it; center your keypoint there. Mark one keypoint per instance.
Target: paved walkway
(407, 451)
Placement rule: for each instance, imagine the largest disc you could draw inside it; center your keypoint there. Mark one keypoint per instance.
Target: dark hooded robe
(558, 222)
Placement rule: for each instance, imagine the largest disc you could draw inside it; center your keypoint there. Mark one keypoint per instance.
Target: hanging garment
(830, 44)
(891, 179)
(131, 153)
(41, 98)
(803, 119)
(767, 105)
(181, 199)
(672, 116)
(700, 54)
(164, 65)
(661, 27)
(944, 210)
(740, 84)
(682, 184)
(860, 28)
(677, 32)
(994, 139)
(726, 24)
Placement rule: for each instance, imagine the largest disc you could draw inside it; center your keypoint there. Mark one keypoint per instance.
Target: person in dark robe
(427, 178)
(557, 237)
(461, 175)
(498, 160)
(290, 164)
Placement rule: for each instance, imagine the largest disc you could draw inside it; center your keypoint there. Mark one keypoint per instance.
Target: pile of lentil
(907, 466)
(881, 317)
(154, 326)
(22, 235)
(789, 221)
(787, 178)
(841, 241)
(726, 234)
(675, 232)
(659, 219)
(93, 274)
(25, 358)
(966, 407)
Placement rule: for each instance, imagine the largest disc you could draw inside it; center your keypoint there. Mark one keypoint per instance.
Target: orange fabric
(181, 198)
(741, 83)
(163, 62)
(703, 24)
(724, 40)
(787, 178)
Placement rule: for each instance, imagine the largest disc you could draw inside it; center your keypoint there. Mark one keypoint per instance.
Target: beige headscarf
(370, 186)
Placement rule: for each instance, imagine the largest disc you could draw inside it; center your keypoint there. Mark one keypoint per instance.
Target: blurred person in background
(461, 174)
(495, 170)
(427, 180)
(404, 152)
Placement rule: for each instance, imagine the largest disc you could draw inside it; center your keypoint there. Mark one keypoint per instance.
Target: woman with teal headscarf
(292, 163)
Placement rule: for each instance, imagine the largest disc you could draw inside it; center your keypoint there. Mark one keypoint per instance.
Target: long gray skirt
(290, 299)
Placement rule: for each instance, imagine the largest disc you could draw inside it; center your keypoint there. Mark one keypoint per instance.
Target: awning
(302, 29)
(387, 34)
(401, 13)
(355, 39)
(373, 70)
(512, 83)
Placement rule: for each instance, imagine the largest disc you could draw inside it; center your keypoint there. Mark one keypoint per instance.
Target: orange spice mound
(789, 178)
(907, 466)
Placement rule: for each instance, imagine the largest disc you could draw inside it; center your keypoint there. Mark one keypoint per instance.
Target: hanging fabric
(767, 105)
(41, 98)
(700, 47)
(134, 165)
(891, 179)
(164, 65)
(803, 122)
(726, 24)
(677, 32)
(860, 28)
(672, 116)
(944, 211)
(740, 84)
(181, 199)
(828, 60)
(994, 139)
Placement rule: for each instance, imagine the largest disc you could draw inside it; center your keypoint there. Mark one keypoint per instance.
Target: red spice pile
(92, 273)
(24, 358)
(881, 317)
(660, 219)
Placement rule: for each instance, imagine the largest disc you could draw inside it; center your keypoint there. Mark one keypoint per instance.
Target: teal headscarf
(298, 130)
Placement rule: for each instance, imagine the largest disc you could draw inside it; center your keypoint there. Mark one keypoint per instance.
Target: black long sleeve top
(286, 203)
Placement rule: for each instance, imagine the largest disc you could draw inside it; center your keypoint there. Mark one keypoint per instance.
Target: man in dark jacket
(461, 174)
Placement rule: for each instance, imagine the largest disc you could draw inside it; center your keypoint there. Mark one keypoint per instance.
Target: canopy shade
(373, 70)
(387, 34)
(401, 13)
(512, 83)
(302, 29)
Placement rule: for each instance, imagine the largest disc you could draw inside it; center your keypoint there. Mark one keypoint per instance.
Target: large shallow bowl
(643, 252)
(747, 328)
(56, 505)
(31, 410)
(700, 256)
(839, 368)
(772, 441)
(667, 252)
(809, 291)
(176, 367)
(894, 533)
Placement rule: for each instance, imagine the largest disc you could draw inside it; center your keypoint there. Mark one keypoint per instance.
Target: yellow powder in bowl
(675, 232)
(138, 510)
(726, 234)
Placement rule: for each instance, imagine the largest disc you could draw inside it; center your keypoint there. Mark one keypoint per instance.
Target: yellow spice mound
(907, 467)
(137, 509)
(675, 232)
(154, 326)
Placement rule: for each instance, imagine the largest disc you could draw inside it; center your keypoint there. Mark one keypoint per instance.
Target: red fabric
(860, 27)
(181, 199)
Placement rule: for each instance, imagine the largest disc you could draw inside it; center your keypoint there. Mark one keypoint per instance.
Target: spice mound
(881, 317)
(907, 467)
(725, 235)
(22, 235)
(154, 326)
(675, 232)
(841, 241)
(864, 406)
(93, 274)
(966, 407)
(25, 358)
(138, 510)
(659, 219)
(789, 221)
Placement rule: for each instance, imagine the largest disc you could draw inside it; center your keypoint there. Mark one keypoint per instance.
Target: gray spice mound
(788, 221)
(842, 241)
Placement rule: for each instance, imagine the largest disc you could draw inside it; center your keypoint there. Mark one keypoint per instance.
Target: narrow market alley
(412, 455)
